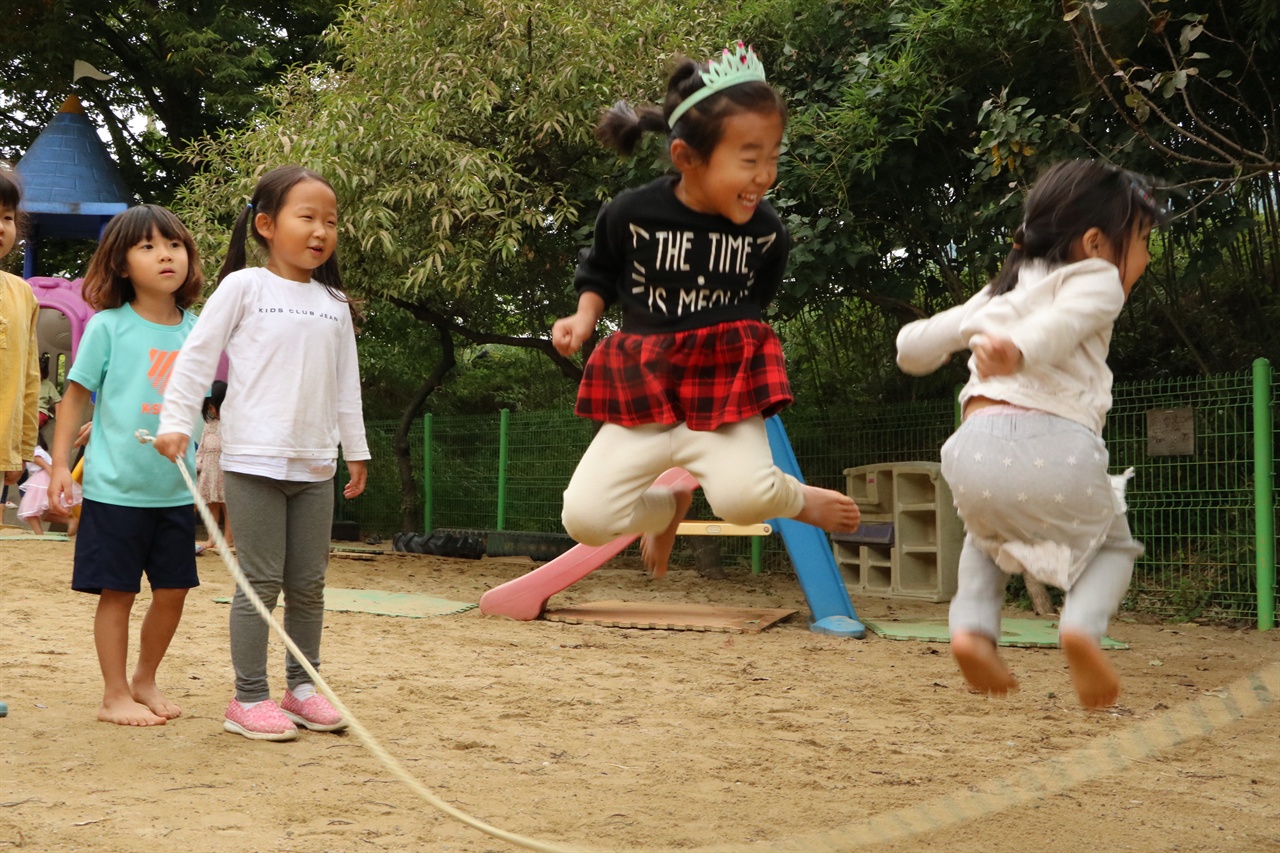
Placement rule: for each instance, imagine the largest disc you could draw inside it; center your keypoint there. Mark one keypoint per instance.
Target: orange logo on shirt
(161, 366)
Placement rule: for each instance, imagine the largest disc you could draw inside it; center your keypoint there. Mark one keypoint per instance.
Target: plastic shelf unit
(909, 543)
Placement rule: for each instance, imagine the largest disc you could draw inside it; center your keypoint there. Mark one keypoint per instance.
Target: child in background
(1027, 467)
(137, 516)
(34, 507)
(19, 350)
(49, 399)
(694, 259)
(209, 463)
(294, 396)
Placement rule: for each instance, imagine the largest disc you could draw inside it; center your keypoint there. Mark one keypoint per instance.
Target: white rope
(366, 737)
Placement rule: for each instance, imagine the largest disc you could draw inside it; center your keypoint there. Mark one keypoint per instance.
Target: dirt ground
(612, 739)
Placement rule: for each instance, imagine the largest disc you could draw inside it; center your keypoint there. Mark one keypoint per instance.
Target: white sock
(303, 692)
(248, 705)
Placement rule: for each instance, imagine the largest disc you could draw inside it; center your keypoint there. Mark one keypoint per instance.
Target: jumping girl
(694, 259)
(294, 396)
(1027, 467)
(137, 514)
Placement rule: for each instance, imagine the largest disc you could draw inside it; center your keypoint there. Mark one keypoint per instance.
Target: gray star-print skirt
(1034, 493)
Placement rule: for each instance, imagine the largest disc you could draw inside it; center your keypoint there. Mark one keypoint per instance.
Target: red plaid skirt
(703, 378)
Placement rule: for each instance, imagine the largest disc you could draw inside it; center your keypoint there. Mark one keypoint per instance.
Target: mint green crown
(732, 69)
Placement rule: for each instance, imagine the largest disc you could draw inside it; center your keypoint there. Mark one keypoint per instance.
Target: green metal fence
(1197, 513)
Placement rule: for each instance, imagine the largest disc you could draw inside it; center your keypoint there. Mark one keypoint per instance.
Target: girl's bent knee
(583, 527)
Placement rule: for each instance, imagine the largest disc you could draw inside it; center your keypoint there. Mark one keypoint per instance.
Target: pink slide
(525, 597)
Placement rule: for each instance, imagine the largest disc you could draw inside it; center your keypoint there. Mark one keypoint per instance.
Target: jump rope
(1243, 698)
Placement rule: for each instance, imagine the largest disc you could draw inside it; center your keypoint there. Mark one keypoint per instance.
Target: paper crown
(731, 69)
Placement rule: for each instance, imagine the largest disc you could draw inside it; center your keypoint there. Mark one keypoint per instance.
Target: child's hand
(11, 477)
(61, 496)
(995, 355)
(82, 437)
(359, 472)
(570, 333)
(171, 445)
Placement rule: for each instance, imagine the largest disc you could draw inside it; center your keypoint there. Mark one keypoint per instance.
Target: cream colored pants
(611, 492)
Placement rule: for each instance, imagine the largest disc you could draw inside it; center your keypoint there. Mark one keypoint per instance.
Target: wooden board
(670, 617)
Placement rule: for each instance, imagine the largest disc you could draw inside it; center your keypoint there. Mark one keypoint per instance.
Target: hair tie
(249, 205)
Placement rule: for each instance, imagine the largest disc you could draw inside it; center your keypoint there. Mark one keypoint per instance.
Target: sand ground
(612, 739)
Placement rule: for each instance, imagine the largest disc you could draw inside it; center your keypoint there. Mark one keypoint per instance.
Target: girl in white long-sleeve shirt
(293, 396)
(1028, 467)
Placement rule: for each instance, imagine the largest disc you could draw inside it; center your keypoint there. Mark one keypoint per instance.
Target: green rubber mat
(1026, 633)
(31, 537)
(411, 604)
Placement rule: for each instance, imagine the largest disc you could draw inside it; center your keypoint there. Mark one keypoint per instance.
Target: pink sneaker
(261, 722)
(316, 713)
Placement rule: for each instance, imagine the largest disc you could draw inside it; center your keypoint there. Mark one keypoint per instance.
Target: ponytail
(236, 254)
(621, 127)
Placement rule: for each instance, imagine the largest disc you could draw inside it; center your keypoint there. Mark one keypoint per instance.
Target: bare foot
(127, 712)
(829, 510)
(157, 702)
(981, 664)
(1094, 678)
(655, 548)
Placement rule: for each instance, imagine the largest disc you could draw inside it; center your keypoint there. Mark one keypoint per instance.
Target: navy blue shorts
(116, 544)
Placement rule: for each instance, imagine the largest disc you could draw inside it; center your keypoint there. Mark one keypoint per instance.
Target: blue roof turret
(70, 184)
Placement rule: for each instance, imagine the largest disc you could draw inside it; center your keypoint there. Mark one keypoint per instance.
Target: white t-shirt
(293, 384)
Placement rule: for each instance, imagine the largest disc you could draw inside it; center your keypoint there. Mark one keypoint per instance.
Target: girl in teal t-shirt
(137, 516)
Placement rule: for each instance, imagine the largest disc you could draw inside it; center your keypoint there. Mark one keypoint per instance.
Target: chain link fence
(1194, 511)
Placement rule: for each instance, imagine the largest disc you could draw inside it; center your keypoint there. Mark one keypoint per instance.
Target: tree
(1191, 79)
(1187, 89)
(195, 69)
(918, 125)
(887, 194)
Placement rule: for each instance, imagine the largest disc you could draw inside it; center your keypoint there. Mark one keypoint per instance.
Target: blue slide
(811, 555)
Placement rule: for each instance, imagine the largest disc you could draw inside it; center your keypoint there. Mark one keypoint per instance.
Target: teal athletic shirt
(125, 360)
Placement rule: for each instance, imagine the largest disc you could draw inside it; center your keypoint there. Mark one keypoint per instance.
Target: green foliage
(918, 124)
(457, 135)
(1191, 78)
(492, 377)
(195, 68)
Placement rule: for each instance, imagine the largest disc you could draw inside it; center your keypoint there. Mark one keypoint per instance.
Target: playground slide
(811, 555)
(525, 597)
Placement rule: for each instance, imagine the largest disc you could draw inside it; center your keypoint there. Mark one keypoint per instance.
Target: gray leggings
(1028, 485)
(282, 541)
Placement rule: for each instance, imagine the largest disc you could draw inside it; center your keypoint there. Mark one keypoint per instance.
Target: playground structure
(71, 189)
(63, 317)
(526, 597)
